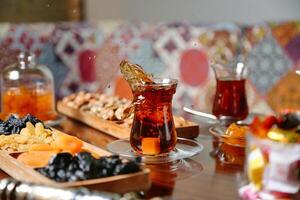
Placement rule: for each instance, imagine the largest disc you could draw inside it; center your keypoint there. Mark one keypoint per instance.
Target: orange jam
(23, 100)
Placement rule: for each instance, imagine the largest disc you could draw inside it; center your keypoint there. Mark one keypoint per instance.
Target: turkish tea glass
(153, 130)
(230, 101)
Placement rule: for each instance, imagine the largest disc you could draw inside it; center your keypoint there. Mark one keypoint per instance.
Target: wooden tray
(120, 183)
(190, 130)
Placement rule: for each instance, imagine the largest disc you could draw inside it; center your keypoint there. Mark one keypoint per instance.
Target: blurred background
(196, 11)
(202, 11)
(83, 41)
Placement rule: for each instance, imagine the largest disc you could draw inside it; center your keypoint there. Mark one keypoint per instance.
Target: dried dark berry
(63, 167)
(289, 121)
(113, 160)
(4, 130)
(60, 160)
(32, 119)
(83, 156)
(80, 175)
(73, 166)
(138, 159)
(85, 161)
(15, 130)
(14, 125)
(125, 168)
(61, 175)
(73, 178)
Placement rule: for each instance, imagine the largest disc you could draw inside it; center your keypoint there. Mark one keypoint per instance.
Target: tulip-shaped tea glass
(153, 130)
(230, 101)
(153, 135)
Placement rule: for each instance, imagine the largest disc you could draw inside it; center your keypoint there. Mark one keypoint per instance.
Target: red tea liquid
(230, 99)
(153, 130)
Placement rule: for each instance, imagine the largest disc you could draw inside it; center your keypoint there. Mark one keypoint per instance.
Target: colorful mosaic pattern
(268, 64)
(85, 57)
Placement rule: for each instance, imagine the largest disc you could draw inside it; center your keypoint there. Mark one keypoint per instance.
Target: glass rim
(238, 70)
(160, 82)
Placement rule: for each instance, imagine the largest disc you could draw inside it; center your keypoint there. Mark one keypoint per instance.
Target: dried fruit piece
(268, 122)
(64, 167)
(68, 143)
(28, 136)
(289, 121)
(285, 131)
(43, 147)
(36, 159)
(236, 131)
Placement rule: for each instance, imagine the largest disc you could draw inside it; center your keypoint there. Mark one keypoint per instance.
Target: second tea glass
(230, 101)
(153, 130)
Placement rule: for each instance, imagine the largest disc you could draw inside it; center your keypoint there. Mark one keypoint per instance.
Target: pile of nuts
(106, 107)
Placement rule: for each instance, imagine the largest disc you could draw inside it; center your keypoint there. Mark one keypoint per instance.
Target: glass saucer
(185, 148)
(219, 132)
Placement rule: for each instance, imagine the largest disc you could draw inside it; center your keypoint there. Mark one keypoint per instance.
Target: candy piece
(134, 74)
(256, 165)
(236, 131)
(151, 146)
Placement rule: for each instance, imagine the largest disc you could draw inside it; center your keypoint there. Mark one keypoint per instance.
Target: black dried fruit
(289, 121)
(73, 166)
(80, 175)
(64, 167)
(14, 121)
(14, 125)
(61, 160)
(32, 119)
(138, 159)
(85, 161)
(125, 168)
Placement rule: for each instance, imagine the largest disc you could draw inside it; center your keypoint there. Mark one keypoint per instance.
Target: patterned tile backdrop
(83, 56)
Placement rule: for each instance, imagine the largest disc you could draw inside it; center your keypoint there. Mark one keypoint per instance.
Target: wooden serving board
(120, 183)
(189, 130)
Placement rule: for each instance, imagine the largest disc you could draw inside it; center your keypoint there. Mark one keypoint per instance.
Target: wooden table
(201, 177)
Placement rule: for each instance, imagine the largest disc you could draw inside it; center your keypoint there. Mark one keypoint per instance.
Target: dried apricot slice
(36, 159)
(68, 143)
(43, 147)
